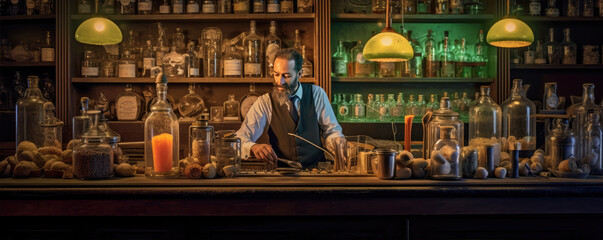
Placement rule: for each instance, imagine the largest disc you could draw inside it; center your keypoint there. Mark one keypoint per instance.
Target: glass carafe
(485, 118)
(447, 151)
(562, 143)
(212, 42)
(200, 137)
(227, 150)
(52, 127)
(128, 105)
(518, 121)
(81, 123)
(594, 135)
(580, 123)
(30, 111)
(231, 109)
(161, 134)
(443, 117)
(93, 158)
(191, 105)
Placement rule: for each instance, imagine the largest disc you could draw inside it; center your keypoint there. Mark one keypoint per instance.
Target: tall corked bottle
(518, 121)
(161, 135)
(30, 111)
(581, 112)
(485, 118)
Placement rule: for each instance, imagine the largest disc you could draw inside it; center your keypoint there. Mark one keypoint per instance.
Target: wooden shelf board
(412, 80)
(27, 64)
(181, 80)
(208, 17)
(560, 19)
(27, 17)
(418, 18)
(556, 66)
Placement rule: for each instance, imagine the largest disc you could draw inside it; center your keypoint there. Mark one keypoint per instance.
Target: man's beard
(281, 95)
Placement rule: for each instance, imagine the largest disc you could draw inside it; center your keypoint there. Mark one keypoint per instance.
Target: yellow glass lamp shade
(388, 46)
(510, 33)
(98, 31)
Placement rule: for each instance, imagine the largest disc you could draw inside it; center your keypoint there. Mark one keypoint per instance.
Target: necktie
(293, 109)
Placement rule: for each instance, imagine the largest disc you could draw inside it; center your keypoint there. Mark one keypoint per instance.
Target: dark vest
(290, 147)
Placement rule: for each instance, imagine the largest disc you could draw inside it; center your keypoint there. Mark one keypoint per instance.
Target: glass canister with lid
(518, 121)
(227, 150)
(52, 128)
(444, 116)
(485, 118)
(30, 111)
(93, 158)
(200, 137)
(445, 155)
(81, 123)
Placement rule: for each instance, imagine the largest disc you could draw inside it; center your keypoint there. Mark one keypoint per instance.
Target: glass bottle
(389, 69)
(81, 123)
(516, 58)
(594, 135)
(551, 49)
(148, 59)
(178, 41)
(411, 105)
(109, 64)
(231, 109)
(286, 6)
(517, 8)
(361, 66)
(145, 7)
(463, 62)
(342, 109)
(178, 6)
(93, 158)
(550, 100)
(84, 7)
(127, 7)
(248, 100)
(463, 104)
(209, 6)
(572, 8)
(372, 113)
(581, 112)
(192, 61)
(297, 45)
(383, 108)
(273, 6)
(161, 134)
(588, 8)
(200, 139)
(253, 53)
(340, 61)
(379, 6)
(568, 48)
(165, 7)
(47, 49)
(52, 127)
(485, 119)
(174, 63)
(212, 43)
(128, 105)
(447, 64)
(259, 6)
(563, 144)
(272, 43)
(530, 54)
(430, 60)
(224, 6)
(446, 146)
(192, 6)
(457, 7)
(359, 109)
(233, 63)
(307, 67)
(396, 110)
(424, 6)
(539, 57)
(29, 113)
(518, 121)
(191, 105)
(443, 117)
(534, 8)
(433, 104)
(416, 63)
(442, 6)
(47, 7)
(551, 10)
(305, 6)
(480, 60)
(420, 107)
(240, 6)
(126, 66)
(89, 65)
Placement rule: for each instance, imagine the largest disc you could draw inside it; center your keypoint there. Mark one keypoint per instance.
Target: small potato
(500, 172)
(229, 171)
(24, 169)
(26, 156)
(209, 171)
(536, 167)
(58, 166)
(125, 170)
(481, 173)
(5, 168)
(67, 156)
(26, 146)
(403, 173)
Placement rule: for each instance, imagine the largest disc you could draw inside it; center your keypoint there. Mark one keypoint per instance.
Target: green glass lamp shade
(510, 33)
(388, 46)
(98, 31)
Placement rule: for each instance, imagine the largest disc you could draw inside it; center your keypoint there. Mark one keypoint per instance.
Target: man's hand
(338, 147)
(264, 152)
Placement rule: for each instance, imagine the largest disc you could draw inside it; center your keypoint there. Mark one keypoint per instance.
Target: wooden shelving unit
(411, 80)
(181, 80)
(557, 66)
(207, 17)
(27, 64)
(560, 19)
(412, 18)
(27, 17)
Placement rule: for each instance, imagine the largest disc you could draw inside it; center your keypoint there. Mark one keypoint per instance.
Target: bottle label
(253, 69)
(90, 71)
(164, 9)
(396, 111)
(529, 57)
(360, 58)
(359, 111)
(241, 7)
(209, 8)
(340, 67)
(387, 66)
(287, 7)
(126, 108)
(127, 70)
(47, 54)
(552, 102)
(144, 6)
(540, 61)
(382, 111)
(232, 67)
(178, 8)
(192, 8)
(534, 8)
(343, 111)
(82, 8)
(307, 72)
(274, 8)
(363, 69)
(148, 63)
(193, 72)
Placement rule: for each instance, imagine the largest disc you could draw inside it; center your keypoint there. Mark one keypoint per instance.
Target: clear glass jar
(52, 127)
(445, 155)
(161, 134)
(174, 63)
(30, 111)
(581, 112)
(228, 150)
(443, 117)
(110, 137)
(593, 142)
(83, 122)
(200, 137)
(191, 105)
(485, 118)
(562, 143)
(430, 62)
(212, 43)
(518, 121)
(93, 158)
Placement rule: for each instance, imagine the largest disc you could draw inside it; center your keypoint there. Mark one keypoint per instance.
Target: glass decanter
(161, 134)
(594, 135)
(581, 112)
(129, 105)
(231, 108)
(518, 121)
(445, 148)
(485, 119)
(81, 123)
(443, 117)
(191, 105)
(93, 158)
(29, 113)
(52, 127)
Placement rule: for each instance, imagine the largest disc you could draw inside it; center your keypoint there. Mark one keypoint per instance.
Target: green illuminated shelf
(412, 80)
(560, 19)
(181, 80)
(412, 18)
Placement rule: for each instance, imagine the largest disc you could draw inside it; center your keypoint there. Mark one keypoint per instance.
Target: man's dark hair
(290, 54)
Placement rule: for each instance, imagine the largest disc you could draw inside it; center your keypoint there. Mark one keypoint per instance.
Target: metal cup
(383, 163)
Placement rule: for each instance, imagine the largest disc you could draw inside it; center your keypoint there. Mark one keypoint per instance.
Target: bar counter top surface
(304, 194)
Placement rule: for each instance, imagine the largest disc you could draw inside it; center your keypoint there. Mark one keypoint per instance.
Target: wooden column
(322, 63)
(502, 82)
(62, 66)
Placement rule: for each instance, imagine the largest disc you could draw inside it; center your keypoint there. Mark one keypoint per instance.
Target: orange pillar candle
(162, 152)
(407, 130)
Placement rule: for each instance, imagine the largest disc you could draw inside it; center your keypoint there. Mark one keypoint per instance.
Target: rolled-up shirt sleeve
(325, 114)
(253, 126)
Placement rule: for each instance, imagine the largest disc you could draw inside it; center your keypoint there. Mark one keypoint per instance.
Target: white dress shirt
(260, 115)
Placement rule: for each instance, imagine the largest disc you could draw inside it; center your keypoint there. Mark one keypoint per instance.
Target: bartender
(291, 108)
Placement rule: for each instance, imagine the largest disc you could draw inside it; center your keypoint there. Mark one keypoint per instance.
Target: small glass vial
(231, 109)
(89, 66)
(52, 128)
(47, 50)
(343, 109)
(445, 155)
(307, 67)
(383, 109)
(128, 105)
(161, 134)
(359, 108)
(93, 158)
(594, 136)
(192, 61)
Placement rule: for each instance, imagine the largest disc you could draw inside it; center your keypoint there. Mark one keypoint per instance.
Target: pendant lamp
(388, 46)
(98, 31)
(510, 32)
